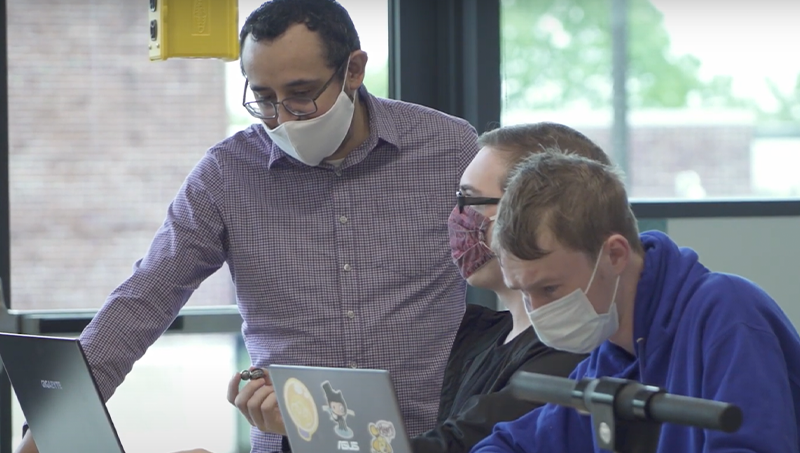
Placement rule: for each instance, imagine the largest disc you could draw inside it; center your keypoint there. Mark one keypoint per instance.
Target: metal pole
(5, 240)
(619, 60)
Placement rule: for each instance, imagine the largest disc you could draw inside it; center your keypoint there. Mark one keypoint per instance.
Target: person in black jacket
(490, 345)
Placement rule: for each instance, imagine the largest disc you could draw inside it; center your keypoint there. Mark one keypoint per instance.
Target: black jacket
(474, 394)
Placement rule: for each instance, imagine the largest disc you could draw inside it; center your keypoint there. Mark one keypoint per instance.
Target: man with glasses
(331, 215)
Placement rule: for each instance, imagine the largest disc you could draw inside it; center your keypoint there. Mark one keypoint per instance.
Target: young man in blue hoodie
(646, 309)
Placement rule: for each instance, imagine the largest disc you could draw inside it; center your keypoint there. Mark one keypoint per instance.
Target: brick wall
(101, 139)
(658, 155)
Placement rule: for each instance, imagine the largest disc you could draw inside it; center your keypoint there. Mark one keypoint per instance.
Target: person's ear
(354, 77)
(619, 252)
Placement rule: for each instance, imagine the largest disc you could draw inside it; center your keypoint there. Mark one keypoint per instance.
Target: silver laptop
(339, 409)
(58, 394)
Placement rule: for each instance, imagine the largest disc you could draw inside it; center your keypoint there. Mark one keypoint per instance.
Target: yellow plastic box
(194, 29)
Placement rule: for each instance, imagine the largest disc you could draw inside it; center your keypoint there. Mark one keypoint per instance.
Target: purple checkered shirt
(333, 267)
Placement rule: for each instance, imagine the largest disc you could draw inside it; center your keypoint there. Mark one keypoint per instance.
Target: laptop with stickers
(339, 409)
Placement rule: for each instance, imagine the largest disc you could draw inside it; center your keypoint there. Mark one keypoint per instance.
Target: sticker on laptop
(301, 407)
(382, 435)
(338, 411)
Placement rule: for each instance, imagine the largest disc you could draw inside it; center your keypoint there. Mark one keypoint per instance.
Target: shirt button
(352, 364)
(338, 171)
(347, 267)
(351, 314)
(343, 219)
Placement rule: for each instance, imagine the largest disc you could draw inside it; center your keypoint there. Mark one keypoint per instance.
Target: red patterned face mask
(468, 240)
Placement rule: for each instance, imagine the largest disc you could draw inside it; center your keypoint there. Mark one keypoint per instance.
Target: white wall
(765, 250)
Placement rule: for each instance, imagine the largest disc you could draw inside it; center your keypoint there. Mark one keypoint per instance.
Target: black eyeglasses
(296, 105)
(471, 201)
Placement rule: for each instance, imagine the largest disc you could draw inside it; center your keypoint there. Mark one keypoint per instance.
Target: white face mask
(311, 141)
(572, 324)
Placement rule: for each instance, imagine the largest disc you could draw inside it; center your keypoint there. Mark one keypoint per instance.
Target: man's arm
(482, 412)
(746, 366)
(548, 429)
(189, 246)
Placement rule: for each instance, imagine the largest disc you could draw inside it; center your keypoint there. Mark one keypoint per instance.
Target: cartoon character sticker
(301, 407)
(337, 409)
(382, 435)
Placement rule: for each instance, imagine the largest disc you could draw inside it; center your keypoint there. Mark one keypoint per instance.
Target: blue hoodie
(698, 333)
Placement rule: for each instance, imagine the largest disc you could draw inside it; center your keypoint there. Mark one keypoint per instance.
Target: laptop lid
(339, 409)
(58, 395)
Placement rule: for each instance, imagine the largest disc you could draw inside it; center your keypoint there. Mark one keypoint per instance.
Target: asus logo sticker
(55, 385)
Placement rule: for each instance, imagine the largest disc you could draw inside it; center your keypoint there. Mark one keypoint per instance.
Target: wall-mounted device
(194, 29)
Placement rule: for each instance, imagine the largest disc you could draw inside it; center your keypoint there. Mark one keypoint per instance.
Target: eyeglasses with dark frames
(296, 105)
(471, 201)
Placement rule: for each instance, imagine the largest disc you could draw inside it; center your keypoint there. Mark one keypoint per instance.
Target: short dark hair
(580, 201)
(326, 17)
(521, 140)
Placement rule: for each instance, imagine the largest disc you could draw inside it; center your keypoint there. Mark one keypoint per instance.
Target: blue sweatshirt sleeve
(547, 429)
(745, 366)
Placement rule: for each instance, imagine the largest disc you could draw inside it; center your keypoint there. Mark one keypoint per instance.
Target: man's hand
(27, 445)
(258, 403)
(196, 450)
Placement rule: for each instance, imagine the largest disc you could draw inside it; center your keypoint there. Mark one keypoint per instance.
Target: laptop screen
(57, 393)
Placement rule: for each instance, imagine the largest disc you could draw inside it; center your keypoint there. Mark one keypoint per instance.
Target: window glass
(101, 138)
(713, 95)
